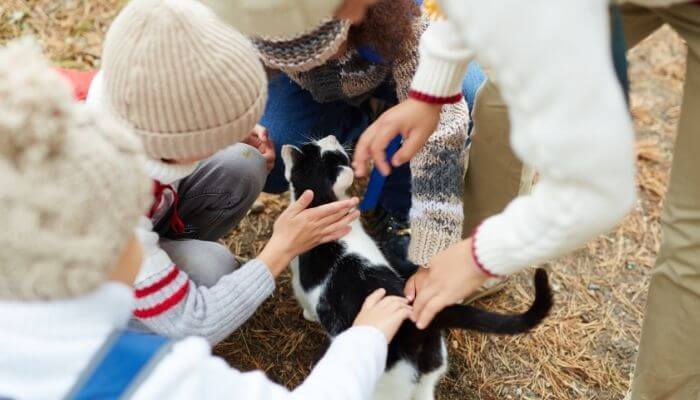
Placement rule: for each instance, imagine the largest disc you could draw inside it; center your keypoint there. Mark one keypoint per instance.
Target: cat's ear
(290, 155)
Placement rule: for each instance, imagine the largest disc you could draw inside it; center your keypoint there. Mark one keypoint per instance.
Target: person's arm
(444, 60)
(168, 302)
(348, 371)
(171, 304)
(437, 170)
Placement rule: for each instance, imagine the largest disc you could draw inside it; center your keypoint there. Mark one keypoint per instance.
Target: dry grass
(585, 350)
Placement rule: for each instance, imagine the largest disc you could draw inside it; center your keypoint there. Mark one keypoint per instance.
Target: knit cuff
(429, 239)
(438, 81)
(487, 250)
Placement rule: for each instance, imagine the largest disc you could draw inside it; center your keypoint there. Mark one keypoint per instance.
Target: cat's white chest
(360, 243)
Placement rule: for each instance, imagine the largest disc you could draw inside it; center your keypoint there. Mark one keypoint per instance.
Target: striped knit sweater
(436, 214)
(168, 302)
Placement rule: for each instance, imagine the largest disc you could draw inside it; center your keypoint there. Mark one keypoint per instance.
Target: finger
(379, 145)
(403, 313)
(320, 212)
(335, 217)
(302, 202)
(374, 298)
(361, 154)
(335, 235)
(395, 301)
(409, 148)
(342, 224)
(261, 132)
(431, 309)
(410, 289)
(423, 296)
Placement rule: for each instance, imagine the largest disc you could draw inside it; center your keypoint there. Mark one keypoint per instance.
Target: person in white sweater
(551, 61)
(70, 255)
(578, 137)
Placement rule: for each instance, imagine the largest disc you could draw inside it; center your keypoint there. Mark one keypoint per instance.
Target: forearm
(348, 371)
(437, 181)
(444, 60)
(350, 368)
(586, 185)
(213, 313)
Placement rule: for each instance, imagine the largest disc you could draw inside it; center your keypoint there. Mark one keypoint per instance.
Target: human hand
(354, 10)
(260, 139)
(299, 229)
(384, 313)
(451, 277)
(415, 120)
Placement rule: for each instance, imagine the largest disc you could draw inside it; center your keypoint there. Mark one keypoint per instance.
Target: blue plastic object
(376, 179)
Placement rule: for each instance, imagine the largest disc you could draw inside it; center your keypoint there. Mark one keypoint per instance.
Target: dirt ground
(585, 350)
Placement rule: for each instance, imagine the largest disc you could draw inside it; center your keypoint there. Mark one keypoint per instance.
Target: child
(69, 256)
(190, 87)
(333, 77)
(569, 122)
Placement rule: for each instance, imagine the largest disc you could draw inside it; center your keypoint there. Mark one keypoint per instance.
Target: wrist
(475, 263)
(275, 257)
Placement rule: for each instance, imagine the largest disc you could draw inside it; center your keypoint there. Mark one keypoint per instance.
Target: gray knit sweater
(438, 170)
(169, 303)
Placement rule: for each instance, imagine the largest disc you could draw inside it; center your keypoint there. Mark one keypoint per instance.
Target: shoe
(393, 235)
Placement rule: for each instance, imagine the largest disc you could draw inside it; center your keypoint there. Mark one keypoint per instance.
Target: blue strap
(376, 180)
(619, 48)
(115, 371)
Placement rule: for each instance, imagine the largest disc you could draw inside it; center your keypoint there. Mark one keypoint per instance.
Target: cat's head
(322, 166)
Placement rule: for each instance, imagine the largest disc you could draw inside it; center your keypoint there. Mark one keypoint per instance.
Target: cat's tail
(468, 317)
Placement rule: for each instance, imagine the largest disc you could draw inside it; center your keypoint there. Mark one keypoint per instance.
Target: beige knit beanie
(185, 81)
(72, 186)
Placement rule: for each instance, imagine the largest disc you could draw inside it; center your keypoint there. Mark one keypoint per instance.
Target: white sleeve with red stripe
(444, 60)
(169, 303)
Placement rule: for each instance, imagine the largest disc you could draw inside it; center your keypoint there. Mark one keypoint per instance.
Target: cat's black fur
(349, 277)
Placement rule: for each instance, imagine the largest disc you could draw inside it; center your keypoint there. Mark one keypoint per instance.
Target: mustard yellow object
(432, 10)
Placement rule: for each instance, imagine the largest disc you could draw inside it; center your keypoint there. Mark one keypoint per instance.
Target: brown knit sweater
(438, 170)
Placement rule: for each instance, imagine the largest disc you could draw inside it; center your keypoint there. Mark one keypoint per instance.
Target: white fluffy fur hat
(72, 184)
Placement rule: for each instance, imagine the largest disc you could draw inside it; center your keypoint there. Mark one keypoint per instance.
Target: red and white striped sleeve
(169, 303)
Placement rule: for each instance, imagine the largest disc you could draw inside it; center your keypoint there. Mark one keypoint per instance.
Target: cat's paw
(309, 316)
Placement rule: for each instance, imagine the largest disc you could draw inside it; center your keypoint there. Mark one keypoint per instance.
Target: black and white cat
(332, 281)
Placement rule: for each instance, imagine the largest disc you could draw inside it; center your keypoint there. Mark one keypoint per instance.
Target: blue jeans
(292, 116)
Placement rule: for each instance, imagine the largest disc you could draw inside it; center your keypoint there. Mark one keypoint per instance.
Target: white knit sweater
(44, 346)
(569, 118)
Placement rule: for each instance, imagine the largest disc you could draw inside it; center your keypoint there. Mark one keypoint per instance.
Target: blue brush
(376, 180)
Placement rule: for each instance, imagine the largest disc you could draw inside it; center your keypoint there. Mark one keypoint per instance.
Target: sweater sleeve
(349, 370)
(575, 132)
(169, 303)
(444, 60)
(437, 171)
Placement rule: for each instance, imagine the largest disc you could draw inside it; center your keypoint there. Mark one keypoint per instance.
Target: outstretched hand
(451, 277)
(384, 313)
(299, 229)
(260, 139)
(413, 119)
